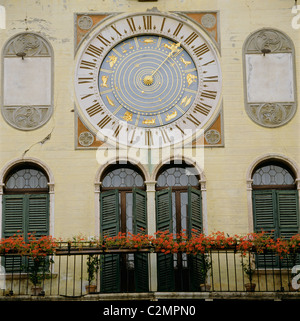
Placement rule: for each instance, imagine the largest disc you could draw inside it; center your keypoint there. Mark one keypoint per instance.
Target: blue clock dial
(148, 81)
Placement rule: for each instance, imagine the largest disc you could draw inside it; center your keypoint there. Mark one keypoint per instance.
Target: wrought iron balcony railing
(70, 272)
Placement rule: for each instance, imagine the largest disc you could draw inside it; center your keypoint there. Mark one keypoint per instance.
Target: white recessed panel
(27, 81)
(270, 78)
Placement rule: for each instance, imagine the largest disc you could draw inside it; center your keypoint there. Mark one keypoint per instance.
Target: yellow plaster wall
(225, 167)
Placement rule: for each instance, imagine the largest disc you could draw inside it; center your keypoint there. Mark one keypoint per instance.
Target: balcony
(65, 276)
(158, 268)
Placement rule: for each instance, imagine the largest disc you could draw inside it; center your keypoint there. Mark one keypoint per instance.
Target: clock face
(147, 80)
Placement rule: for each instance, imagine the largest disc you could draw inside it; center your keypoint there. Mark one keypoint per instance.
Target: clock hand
(174, 48)
(148, 80)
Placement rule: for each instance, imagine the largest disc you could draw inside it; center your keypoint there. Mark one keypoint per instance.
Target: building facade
(94, 93)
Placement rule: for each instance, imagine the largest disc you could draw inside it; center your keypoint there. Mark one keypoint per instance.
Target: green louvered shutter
(38, 214)
(265, 218)
(288, 212)
(14, 209)
(109, 225)
(195, 223)
(13, 220)
(194, 210)
(288, 219)
(165, 267)
(139, 211)
(264, 209)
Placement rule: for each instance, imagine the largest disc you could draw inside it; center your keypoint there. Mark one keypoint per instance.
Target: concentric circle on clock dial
(146, 80)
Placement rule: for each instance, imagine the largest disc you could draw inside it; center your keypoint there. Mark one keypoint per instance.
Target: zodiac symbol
(186, 100)
(190, 78)
(148, 40)
(124, 44)
(127, 116)
(104, 81)
(186, 63)
(149, 121)
(112, 60)
(110, 101)
(173, 47)
(171, 116)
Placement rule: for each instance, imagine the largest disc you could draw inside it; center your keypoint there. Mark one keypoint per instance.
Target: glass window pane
(123, 177)
(178, 176)
(27, 178)
(184, 203)
(129, 218)
(272, 175)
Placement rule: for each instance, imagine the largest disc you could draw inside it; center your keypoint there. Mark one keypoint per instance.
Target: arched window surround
(45, 168)
(288, 162)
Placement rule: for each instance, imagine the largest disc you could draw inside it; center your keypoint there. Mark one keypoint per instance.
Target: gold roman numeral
(148, 138)
(104, 121)
(211, 79)
(201, 50)
(103, 40)
(87, 64)
(94, 109)
(116, 30)
(117, 131)
(209, 94)
(131, 24)
(177, 30)
(202, 109)
(163, 24)
(86, 96)
(147, 22)
(193, 36)
(94, 51)
(164, 135)
(85, 80)
(194, 120)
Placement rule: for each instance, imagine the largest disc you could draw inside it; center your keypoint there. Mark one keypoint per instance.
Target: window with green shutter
(123, 206)
(275, 206)
(178, 208)
(25, 207)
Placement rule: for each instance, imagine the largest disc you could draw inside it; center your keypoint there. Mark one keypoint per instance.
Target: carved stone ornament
(28, 43)
(212, 136)
(271, 114)
(269, 78)
(27, 84)
(208, 20)
(270, 39)
(85, 22)
(86, 139)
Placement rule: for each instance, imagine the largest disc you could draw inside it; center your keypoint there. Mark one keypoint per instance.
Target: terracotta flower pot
(250, 287)
(91, 288)
(204, 287)
(36, 290)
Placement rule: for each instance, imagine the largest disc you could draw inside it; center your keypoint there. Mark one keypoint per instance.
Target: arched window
(123, 208)
(25, 203)
(178, 208)
(275, 202)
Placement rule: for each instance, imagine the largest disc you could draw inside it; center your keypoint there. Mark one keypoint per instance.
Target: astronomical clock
(147, 80)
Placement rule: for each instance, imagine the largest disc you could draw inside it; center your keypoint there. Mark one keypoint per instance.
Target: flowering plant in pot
(248, 266)
(39, 251)
(93, 265)
(205, 267)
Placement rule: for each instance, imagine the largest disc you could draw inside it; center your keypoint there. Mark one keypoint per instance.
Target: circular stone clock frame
(147, 80)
